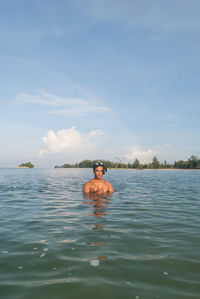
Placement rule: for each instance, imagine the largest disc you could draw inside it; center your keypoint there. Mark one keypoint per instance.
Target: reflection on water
(100, 204)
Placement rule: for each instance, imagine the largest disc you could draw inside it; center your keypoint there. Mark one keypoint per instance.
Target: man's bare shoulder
(109, 185)
(88, 185)
(90, 182)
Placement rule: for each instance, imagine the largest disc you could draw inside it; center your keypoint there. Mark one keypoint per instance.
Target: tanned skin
(97, 184)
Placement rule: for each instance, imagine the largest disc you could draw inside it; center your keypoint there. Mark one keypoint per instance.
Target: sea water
(141, 242)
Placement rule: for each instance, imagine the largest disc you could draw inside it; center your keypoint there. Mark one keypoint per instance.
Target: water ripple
(142, 242)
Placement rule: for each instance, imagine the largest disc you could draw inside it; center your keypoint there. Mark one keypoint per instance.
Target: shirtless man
(98, 185)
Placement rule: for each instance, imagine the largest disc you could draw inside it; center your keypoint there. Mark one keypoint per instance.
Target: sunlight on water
(141, 242)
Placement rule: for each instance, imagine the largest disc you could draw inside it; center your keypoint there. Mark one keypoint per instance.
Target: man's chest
(100, 185)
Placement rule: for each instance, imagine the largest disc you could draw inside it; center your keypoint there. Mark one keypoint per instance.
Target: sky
(99, 79)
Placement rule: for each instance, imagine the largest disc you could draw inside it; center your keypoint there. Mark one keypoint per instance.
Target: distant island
(192, 163)
(26, 165)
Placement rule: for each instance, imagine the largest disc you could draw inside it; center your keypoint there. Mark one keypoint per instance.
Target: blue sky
(99, 79)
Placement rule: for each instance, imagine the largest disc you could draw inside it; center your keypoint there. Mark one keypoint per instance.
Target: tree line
(27, 165)
(192, 163)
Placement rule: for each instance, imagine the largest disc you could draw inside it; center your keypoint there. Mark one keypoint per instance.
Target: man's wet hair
(99, 163)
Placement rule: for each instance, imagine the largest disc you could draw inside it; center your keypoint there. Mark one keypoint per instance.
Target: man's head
(99, 169)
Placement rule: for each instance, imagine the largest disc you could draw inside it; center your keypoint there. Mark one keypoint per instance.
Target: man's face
(98, 172)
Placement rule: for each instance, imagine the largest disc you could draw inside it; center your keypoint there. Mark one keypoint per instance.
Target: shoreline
(163, 169)
(175, 169)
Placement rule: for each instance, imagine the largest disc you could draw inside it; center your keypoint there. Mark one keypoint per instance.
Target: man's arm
(86, 188)
(110, 188)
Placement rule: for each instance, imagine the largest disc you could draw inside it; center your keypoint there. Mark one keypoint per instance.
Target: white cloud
(142, 155)
(47, 99)
(69, 141)
(67, 106)
(145, 156)
(96, 133)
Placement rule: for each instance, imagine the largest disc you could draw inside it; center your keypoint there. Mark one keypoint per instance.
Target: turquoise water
(141, 242)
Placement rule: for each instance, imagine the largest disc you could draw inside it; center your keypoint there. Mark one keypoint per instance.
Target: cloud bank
(70, 141)
(144, 156)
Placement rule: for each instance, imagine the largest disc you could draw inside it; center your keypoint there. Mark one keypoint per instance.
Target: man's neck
(96, 179)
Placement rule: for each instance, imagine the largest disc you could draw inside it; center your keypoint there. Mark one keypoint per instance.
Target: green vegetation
(192, 163)
(26, 165)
